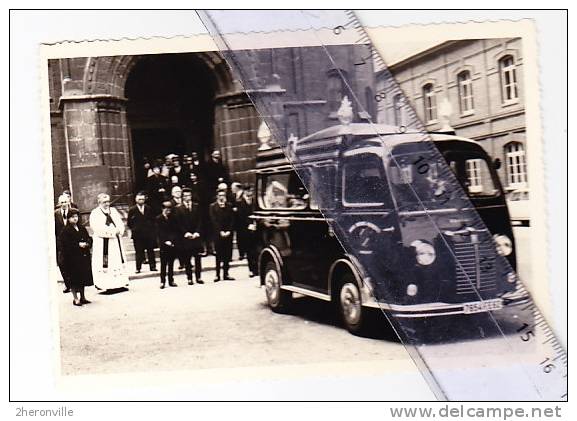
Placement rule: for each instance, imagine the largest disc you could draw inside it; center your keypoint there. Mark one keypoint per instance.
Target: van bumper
(447, 309)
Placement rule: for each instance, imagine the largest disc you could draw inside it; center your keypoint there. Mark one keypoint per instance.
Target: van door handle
(388, 229)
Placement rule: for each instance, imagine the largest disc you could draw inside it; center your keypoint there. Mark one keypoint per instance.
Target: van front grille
(475, 267)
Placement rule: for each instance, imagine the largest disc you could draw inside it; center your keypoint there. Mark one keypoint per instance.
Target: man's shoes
(162, 286)
(77, 303)
(172, 284)
(153, 270)
(66, 290)
(252, 275)
(228, 278)
(199, 281)
(137, 271)
(190, 282)
(85, 301)
(216, 279)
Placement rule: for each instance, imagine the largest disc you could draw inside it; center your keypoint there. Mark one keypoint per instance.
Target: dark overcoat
(76, 259)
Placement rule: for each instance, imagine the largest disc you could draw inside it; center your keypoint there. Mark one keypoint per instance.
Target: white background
(31, 361)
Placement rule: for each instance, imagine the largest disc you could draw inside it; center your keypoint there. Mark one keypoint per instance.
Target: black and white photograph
(298, 206)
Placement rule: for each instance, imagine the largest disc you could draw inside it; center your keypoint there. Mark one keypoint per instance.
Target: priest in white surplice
(108, 260)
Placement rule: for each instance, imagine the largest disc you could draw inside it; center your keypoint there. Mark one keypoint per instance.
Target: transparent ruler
(438, 261)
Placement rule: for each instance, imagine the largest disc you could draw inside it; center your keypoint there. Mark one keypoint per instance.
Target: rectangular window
(516, 165)
(474, 175)
(508, 71)
(430, 103)
(363, 182)
(466, 93)
(398, 110)
(282, 191)
(320, 181)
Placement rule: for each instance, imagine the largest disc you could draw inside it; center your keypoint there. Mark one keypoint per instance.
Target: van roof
(368, 129)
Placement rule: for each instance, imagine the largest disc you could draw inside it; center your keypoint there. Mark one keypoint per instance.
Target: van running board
(305, 291)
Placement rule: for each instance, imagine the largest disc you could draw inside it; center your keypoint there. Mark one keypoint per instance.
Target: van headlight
(503, 244)
(425, 252)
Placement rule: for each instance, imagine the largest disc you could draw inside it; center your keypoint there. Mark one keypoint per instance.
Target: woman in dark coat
(75, 244)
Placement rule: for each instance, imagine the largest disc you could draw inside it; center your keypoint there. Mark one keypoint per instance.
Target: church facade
(109, 114)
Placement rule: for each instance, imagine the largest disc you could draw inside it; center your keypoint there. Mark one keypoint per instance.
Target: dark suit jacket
(222, 218)
(155, 183)
(182, 176)
(141, 225)
(244, 210)
(58, 223)
(166, 230)
(189, 221)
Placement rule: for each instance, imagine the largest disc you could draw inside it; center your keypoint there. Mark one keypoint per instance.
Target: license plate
(481, 306)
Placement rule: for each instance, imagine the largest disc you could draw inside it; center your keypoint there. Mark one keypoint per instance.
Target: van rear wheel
(278, 299)
(350, 305)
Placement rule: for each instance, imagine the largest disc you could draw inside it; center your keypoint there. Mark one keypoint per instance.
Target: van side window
(320, 181)
(364, 183)
(282, 191)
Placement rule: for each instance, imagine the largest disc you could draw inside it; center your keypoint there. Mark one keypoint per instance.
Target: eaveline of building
(414, 255)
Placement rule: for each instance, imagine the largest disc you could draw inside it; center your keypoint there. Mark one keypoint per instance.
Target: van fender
(349, 263)
(272, 252)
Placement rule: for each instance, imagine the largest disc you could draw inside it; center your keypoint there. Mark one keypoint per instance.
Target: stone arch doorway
(107, 113)
(169, 108)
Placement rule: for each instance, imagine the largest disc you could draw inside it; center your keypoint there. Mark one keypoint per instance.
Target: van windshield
(415, 172)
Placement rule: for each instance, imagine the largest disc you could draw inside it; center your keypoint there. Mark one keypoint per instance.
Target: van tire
(278, 299)
(349, 304)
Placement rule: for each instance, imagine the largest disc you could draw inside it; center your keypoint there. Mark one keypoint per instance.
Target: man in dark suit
(167, 232)
(141, 222)
(178, 171)
(236, 199)
(215, 173)
(189, 220)
(246, 233)
(157, 186)
(60, 221)
(222, 218)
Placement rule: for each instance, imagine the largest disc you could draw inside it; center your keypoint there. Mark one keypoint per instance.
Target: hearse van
(407, 244)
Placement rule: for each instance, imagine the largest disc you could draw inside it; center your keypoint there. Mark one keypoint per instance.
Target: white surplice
(115, 275)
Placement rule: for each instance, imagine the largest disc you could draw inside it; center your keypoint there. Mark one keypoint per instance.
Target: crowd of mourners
(187, 208)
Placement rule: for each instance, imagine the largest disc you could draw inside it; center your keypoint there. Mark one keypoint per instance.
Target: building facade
(477, 86)
(109, 114)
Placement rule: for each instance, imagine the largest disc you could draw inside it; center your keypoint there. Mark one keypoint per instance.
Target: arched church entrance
(115, 112)
(170, 109)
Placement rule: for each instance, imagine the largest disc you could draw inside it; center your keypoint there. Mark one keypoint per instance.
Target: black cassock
(76, 259)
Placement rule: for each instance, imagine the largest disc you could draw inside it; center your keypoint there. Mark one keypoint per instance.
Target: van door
(367, 214)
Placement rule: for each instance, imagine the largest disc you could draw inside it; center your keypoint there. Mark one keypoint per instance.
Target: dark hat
(72, 212)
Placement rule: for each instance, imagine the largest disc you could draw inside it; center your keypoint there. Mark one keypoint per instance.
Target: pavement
(228, 325)
(215, 325)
